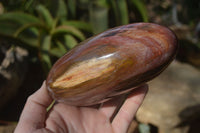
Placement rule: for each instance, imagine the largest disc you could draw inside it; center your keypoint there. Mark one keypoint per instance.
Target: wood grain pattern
(110, 63)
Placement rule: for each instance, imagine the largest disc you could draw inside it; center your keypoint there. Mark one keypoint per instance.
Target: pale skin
(63, 118)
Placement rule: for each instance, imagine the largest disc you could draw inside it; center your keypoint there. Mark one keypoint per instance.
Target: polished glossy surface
(110, 63)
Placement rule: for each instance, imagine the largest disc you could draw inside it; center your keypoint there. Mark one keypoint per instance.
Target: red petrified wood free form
(111, 63)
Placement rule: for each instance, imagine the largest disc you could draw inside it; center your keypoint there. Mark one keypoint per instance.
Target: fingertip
(143, 89)
(43, 86)
(34, 113)
(43, 83)
(41, 96)
(128, 110)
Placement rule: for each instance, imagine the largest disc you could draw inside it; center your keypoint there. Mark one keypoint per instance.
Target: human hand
(63, 118)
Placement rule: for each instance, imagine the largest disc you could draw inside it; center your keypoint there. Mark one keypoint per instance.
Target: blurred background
(34, 34)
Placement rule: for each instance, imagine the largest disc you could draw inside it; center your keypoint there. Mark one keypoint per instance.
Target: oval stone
(111, 63)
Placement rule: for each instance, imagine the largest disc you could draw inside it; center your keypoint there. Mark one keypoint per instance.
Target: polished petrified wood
(111, 63)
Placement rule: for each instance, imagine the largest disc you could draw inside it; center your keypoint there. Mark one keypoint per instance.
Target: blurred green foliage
(51, 28)
(50, 36)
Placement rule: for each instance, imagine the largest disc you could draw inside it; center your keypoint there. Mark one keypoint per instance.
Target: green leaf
(8, 28)
(19, 17)
(28, 4)
(11, 22)
(121, 11)
(20, 42)
(56, 52)
(79, 25)
(45, 15)
(28, 26)
(65, 29)
(28, 38)
(70, 41)
(61, 47)
(51, 106)
(62, 10)
(72, 8)
(45, 47)
(54, 25)
(98, 16)
(141, 8)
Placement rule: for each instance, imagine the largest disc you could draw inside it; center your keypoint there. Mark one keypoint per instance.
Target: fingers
(128, 110)
(34, 113)
(110, 108)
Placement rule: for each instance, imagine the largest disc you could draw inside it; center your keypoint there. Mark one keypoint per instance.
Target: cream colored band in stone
(84, 71)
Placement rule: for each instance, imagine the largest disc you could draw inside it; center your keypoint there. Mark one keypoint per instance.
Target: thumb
(34, 113)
